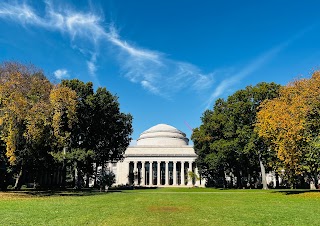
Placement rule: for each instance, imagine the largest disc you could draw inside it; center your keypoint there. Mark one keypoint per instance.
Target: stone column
(197, 183)
(143, 173)
(158, 173)
(124, 173)
(174, 173)
(135, 173)
(150, 173)
(189, 170)
(167, 174)
(182, 174)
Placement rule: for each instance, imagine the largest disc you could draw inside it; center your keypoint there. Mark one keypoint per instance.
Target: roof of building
(162, 135)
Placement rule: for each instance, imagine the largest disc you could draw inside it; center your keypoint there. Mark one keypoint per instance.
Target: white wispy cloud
(113, 37)
(19, 12)
(151, 69)
(148, 86)
(232, 79)
(61, 74)
(156, 72)
(92, 65)
(76, 25)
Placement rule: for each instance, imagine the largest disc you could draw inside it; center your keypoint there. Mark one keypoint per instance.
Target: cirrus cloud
(153, 70)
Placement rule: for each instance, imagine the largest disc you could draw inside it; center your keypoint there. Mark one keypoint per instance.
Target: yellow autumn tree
(16, 100)
(24, 112)
(64, 105)
(285, 122)
(35, 116)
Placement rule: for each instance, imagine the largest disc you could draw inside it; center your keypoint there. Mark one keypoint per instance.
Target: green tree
(82, 136)
(226, 141)
(111, 128)
(103, 129)
(63, 101)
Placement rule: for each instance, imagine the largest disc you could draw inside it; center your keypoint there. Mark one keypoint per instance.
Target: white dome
(162, 135)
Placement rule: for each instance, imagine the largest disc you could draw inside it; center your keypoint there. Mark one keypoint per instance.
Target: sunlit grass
(166, 206)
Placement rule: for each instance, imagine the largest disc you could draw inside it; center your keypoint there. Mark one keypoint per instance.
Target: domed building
(162, 157)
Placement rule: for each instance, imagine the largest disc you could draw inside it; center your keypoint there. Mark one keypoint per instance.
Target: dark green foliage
(112, 128)
(101, 126)
(105, 178)
(226, 142)
(4, 164)
(102, 132)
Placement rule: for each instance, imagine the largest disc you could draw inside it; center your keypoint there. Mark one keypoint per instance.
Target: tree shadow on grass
(68, 192)
(74, 192)
(145, 188)
(295, 191)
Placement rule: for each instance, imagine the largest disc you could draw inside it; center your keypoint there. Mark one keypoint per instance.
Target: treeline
(55, 135)
(260, 129)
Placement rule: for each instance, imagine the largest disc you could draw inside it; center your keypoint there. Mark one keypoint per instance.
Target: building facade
(162, 157)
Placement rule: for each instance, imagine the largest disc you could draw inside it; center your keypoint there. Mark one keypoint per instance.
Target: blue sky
(167, 61)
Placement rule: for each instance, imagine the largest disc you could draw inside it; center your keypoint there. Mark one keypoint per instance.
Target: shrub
(106, 178)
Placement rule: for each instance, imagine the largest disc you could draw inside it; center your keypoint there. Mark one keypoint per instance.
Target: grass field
(166, 206)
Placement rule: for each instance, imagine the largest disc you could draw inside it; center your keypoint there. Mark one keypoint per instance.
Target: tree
(3, 168)
(105, 129)
(290, 124)
(226, 142)
(35, 117)
(193, 177)
(64, 105)
(81, 131)
(111, 128)
(82, 136)
(105, 179)
(68, 123)
(24, 114)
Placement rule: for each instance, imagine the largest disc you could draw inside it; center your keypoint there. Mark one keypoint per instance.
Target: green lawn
(165, 206)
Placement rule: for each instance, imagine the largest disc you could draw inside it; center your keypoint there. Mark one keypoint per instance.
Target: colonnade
(162, 173)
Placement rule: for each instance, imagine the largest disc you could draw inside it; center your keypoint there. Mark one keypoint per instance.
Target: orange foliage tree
(290, 125)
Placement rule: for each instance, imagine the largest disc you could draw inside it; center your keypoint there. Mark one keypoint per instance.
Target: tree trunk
(3, 178)
(64, 174)
(3, 182)
(87, 180)
(78, 177)
(224, 181)
(64, 169)
(231, 181)
(95, 174)
(249, 185)
(315, 178)
(277, 180)
(18, 183)
(239, 179)
(263, 174)
(75, 176)
(88, 165)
